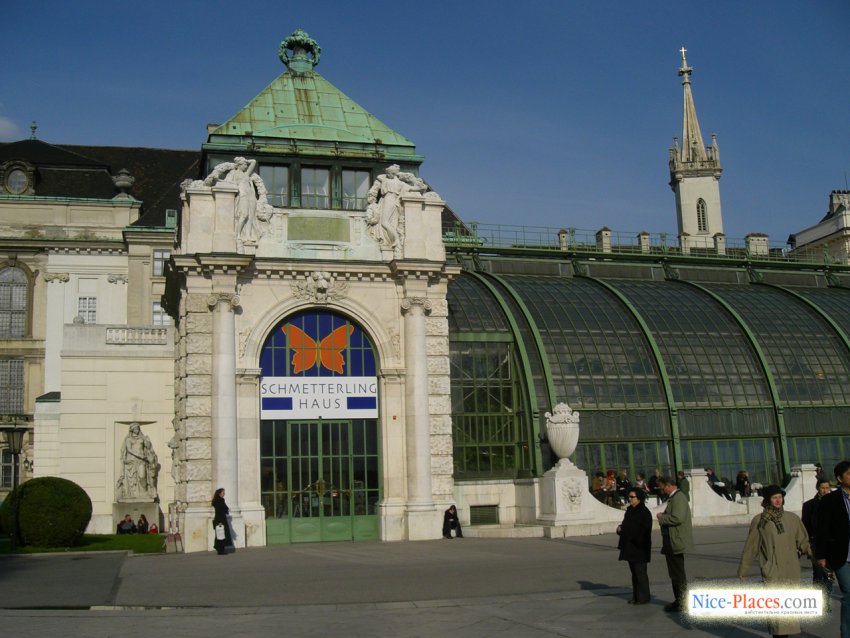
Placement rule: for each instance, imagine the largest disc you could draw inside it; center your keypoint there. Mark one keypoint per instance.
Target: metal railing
(474, 235)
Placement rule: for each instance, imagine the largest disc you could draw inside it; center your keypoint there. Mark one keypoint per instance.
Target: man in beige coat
(676, 538)
(778, 538)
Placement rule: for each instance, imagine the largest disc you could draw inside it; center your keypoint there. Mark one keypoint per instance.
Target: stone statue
(140, 467)
(252, 207)
(384, 208)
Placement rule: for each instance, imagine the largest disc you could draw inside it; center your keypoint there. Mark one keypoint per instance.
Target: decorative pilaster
(224, 454)
(53, 338)
(417, 428)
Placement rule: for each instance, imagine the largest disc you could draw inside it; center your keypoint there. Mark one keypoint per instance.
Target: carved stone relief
(320, 287)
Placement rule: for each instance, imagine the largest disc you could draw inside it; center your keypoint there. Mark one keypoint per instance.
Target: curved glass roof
(709, 360)
(472, 308)
(598, 355)
(809, 362)
(834, 301)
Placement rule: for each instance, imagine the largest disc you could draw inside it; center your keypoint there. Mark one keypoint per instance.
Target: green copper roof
(305, 106)
(302, 113)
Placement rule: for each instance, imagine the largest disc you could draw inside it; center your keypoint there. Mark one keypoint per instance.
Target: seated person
(611, 490)
(153, 529)
(142, 525)
(597, 487)
(451, 522)
(742, 483)
(127, 526)
(717, 485)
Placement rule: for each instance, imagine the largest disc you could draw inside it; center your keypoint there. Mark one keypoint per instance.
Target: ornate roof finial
(301, 46)
(33, 127)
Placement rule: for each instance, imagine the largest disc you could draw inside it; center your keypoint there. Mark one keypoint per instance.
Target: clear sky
(554, 114)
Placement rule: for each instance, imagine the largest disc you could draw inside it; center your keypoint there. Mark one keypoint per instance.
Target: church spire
(694, 174)
(693, 147)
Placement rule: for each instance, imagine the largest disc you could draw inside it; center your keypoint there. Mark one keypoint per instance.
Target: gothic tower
(695, 175)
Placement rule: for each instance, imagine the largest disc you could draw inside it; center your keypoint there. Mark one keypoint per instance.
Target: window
(315, 187)
(702, 216)
(6, 470)
(355, 187)
(13, 303)
(158, 315)
(160, 258)
(87, 309)
(11, 386)
(276, 179)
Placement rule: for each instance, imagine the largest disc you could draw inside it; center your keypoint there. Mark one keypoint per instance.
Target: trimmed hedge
(52, 512)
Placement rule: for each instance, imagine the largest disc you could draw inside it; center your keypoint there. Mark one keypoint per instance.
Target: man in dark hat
(832, 548)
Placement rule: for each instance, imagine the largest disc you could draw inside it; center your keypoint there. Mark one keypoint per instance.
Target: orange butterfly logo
(328, 351)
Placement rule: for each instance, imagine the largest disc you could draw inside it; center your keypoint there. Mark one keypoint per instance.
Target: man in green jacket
(676, 539)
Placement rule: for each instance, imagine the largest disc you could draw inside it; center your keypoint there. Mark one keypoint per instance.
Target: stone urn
(562, 428)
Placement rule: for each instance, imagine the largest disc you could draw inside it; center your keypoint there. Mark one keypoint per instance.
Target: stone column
(417, 423)
(225, 457)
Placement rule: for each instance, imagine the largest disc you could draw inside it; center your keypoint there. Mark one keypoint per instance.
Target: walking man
(832, 546)
(676, 539)
(820, 576)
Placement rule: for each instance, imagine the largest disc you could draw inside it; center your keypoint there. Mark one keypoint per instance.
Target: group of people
(613, 489)
(128, 526)
(776, 537)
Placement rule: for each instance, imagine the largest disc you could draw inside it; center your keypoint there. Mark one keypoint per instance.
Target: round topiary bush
(52, 512)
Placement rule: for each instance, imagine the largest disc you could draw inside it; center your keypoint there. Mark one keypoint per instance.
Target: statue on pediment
(384, 210)
(252, 207)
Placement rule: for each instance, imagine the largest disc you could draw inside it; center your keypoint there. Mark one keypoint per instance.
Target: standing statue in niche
(252, 205)
(140, 467)
(384, 210)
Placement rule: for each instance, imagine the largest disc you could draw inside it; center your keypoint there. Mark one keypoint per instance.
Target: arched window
(13, 303)
(702, 216)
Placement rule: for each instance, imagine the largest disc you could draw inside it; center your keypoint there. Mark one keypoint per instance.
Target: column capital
(230, 298)
(59, 277)
(409, 302)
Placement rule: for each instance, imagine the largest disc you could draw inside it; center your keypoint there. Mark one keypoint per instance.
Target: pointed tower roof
(304, 109)
(693, 147)
(693, 158)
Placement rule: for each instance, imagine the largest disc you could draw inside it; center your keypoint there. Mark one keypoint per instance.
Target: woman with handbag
(220, 523)
(635, 544)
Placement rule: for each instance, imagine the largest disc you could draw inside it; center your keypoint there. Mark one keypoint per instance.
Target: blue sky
(554, 114)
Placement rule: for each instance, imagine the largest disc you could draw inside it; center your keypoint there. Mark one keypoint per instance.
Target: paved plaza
(463, 587)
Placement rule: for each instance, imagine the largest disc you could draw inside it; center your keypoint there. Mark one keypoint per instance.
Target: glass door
(320, 480)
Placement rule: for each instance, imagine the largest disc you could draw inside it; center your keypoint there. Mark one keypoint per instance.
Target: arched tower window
(13, 302)
(702, 216)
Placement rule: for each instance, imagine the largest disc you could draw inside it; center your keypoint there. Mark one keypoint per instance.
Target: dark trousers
(448, 526)
(640, 582)
(678, 578)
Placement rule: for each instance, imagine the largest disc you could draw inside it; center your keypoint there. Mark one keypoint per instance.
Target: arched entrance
(319, 461)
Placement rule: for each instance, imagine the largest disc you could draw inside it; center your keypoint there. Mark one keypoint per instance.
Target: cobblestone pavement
(469, 587)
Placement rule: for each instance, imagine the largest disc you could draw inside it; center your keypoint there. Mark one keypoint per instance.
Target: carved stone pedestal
(565, 497)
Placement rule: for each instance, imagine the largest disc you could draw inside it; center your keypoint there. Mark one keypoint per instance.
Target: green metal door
(320, 480)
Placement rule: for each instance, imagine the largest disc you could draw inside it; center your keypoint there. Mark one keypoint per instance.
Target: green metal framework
(730, 362)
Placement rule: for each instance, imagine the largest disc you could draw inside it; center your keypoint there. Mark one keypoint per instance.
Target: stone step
(504, 531)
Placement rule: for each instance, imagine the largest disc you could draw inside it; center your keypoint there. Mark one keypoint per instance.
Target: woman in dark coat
(451, 522)
(635, 544)
(221, 512)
